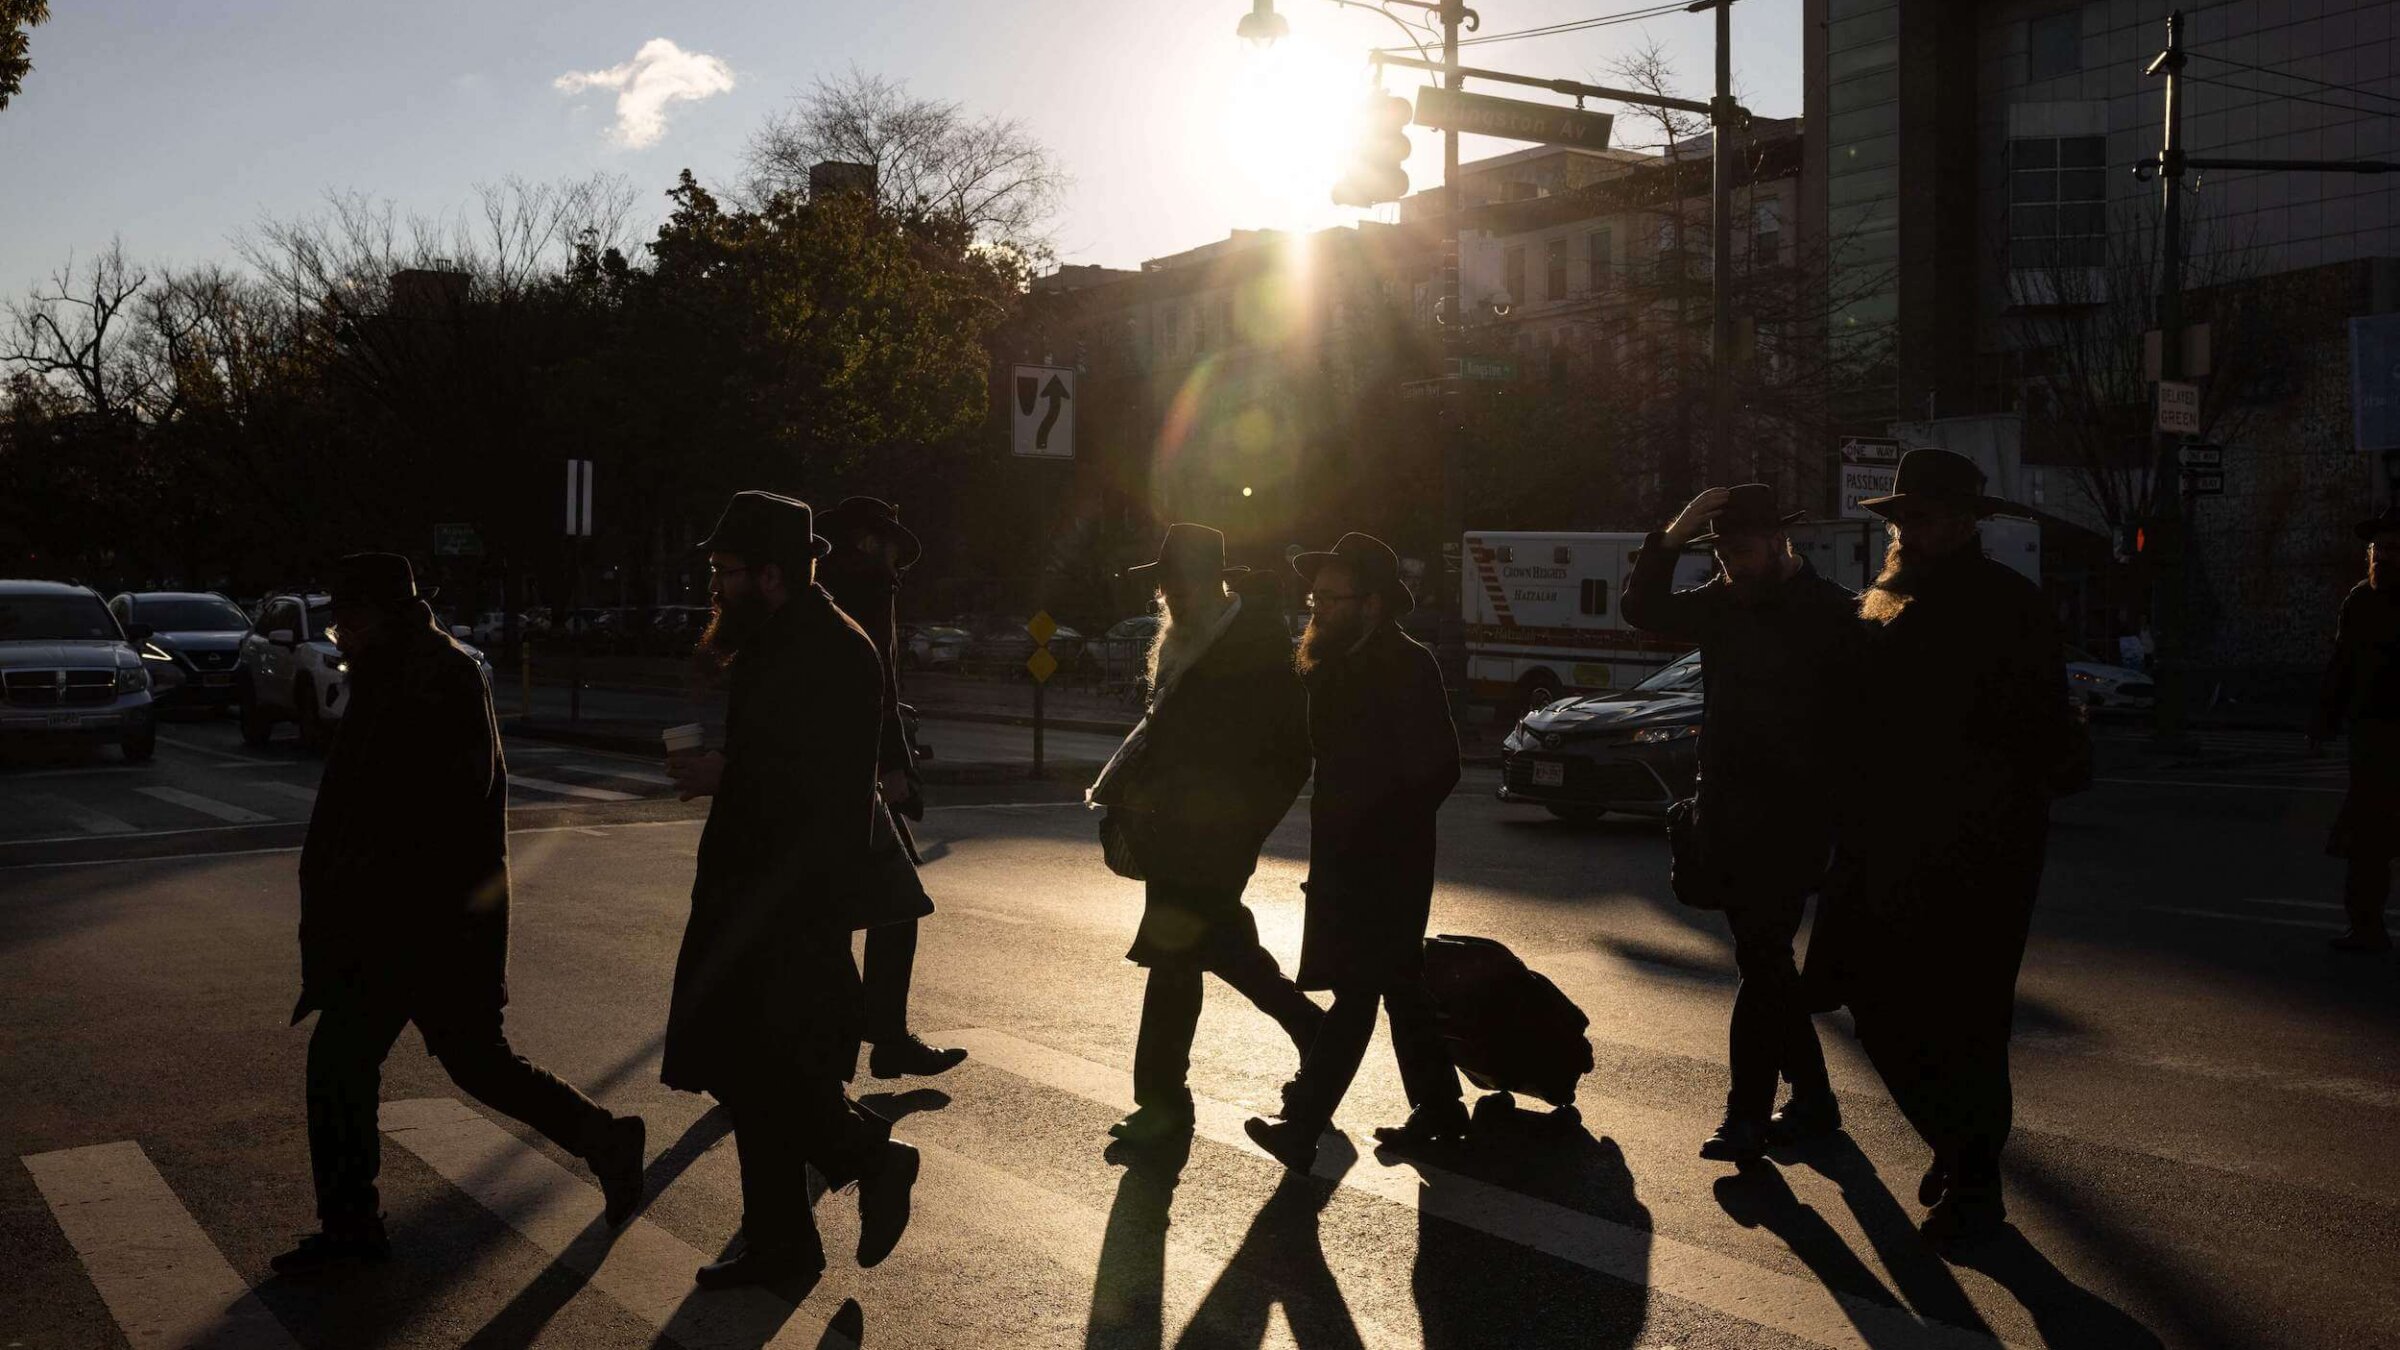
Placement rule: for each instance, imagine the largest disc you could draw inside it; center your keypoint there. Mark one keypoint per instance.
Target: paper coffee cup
(686, 737)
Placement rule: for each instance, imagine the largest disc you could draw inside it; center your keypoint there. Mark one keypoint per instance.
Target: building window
(1554, 270)
(2054, 45)
(2057, 202)
(1603, 249)
(1512, 274)
(1766, 232)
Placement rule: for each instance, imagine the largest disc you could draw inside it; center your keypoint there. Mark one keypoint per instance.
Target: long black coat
(2361, 692)
(404, 876)
(1963, 730)
(1776, 666)
(1387, 758)
(764, 983)
(1226, 753)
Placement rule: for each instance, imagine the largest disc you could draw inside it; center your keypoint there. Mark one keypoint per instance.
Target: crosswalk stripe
(163, 1281)
(571, 789)
(2317, 924)
(1802, 1308)
(207, 806)
(79, 815)
(293, 790)
(619, 771)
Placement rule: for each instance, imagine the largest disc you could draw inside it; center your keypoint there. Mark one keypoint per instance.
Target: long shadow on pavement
(1129, 1287)
(1281, 1260)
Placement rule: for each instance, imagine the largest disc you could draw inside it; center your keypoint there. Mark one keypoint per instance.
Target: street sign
(2178, 407)
(1042, 664)
(1042, 412)
(2195, 352)
(1041, 627)
(579, 498)
(2201, 456)
(2203, 483)
(1493, 369)
(1869, 465)
(1512, 119)
(457, 541)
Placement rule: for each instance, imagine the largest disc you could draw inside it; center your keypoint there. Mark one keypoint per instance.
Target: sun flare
(1287, 124)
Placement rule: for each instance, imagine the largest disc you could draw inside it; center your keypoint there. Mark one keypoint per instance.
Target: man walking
(1387, 758)
(404, 915)
(1924, 921)
(1777, 647)
(1197, 788)
(766, 1007)
(871, 550)
(2361, 693)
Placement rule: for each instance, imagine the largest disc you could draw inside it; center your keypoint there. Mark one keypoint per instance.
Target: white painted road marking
(2317, 924)
(292, 790)
(994, 915)
(2195, 783)
(1797, 1307)
(571, 789)
(207, 806)
(81, 816)
(163, 1281)
(630, 775)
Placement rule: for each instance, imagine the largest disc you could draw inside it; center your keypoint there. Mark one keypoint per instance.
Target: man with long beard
(1196, 789)
(1925, 918)
(2362, 693)
(1387, 758)
(1776, 655)
(871, 550)
(766, 1008)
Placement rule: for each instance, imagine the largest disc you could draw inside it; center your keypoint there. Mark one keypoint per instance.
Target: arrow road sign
(2201, 456)
(1042, 413)
(2203, 483)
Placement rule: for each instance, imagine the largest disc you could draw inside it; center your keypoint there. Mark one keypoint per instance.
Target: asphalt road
(2204, 1098)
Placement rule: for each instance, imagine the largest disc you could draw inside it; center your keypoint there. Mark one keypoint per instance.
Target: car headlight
(1654, 735)
(341, 665)
(132, 679)
(2083, 676)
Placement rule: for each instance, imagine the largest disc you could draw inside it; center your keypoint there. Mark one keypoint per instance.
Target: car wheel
(257, 727)
(313, 732)
(138, 749)
(1577, 815)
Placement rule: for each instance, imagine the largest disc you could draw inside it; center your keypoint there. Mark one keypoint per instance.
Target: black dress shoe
(792, 1271)
(1290, 1142)
(909, 1057)
(1802, 1119)
(883, 1202)
(1153, 1124)
(1429, 1126)
(618, 1163)
(346, 1244)
(1964, 1216)
(1736, 1141)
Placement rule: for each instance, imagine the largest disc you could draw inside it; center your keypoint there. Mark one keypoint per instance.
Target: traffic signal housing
(1375, 174)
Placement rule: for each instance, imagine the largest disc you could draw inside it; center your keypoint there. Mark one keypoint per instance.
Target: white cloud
(659, 74)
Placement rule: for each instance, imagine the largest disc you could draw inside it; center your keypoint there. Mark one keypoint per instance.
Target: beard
(1894, 587)
(1172, 647)
(1326, 638)
(2377, 578)
(733, 626)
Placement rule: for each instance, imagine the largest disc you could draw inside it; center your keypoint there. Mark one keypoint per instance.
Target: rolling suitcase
(1508, 1028)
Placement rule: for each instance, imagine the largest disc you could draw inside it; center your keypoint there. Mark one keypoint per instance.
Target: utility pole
(1452, 635)
(1725, 117)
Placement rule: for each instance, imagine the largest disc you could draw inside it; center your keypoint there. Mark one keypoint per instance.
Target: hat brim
(1982, 506)
(911, 548)
(1778, 523)
(1396, 595)
(1153, 571)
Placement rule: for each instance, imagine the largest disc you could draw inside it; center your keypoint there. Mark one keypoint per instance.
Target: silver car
(70, 672)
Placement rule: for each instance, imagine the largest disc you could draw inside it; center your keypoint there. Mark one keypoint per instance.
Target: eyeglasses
(1317, 599)
(716, 571)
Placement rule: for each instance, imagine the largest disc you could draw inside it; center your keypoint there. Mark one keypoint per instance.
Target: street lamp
(1262, 26)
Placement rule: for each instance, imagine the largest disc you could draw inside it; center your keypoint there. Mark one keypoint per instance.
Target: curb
(935, 771)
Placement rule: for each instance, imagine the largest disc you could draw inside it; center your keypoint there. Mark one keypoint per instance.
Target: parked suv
(291, 671)
(194, 651)
(69, 670)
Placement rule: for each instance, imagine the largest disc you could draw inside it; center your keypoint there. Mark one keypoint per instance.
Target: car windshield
(56, 618)
(320, 618)
(189, 616)
(1679, 676)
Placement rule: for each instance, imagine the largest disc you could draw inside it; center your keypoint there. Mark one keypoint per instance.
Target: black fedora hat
(382, 579)
(1749, 509)
(764, 527)
(1187, 550)
(1373, 566)
(1929, 476)
(874, 516)
(2386, 523)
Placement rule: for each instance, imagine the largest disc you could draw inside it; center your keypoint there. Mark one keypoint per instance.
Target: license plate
(224, 677)
(1549, 773)
(65, 721)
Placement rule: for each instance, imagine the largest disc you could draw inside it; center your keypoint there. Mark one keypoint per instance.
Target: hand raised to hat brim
(1696, 516)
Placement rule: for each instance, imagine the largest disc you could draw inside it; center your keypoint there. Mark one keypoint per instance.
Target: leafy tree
(17, 19)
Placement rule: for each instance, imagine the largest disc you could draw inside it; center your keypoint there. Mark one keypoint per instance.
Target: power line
(2295, 75)
(2288, 98)
(1575, 25)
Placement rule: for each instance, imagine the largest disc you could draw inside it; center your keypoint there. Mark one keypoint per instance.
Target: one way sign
(1042, 411)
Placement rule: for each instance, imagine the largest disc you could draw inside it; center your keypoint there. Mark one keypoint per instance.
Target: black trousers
(1162, 1052)
(782, 1124)
(345, 1082)
(890, 965)
(1326, 1072)
(2366, 892)
(1771, 1034)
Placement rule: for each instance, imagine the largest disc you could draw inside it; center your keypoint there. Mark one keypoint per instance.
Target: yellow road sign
(1042, 627)
(1042, 664)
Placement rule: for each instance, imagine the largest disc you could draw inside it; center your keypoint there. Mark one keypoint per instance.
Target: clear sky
(175, 124)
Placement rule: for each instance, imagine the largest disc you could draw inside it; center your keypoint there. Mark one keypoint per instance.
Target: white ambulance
(1542, 618)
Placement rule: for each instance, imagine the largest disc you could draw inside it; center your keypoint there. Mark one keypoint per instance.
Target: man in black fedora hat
(871, 551)
(766, 1011)
(1387, 758)
(2361, 694)
(404, 914)
(1195, 790)
(1925, 917)
(1777, 657)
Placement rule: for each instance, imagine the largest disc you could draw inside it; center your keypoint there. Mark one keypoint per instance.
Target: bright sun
(1287, 123)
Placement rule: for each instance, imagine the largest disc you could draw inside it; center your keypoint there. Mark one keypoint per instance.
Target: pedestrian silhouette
(2361, 692)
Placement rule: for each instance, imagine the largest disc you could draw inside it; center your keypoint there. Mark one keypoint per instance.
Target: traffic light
(1374, 173)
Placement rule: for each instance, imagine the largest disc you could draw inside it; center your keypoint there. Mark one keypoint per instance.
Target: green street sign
(1512, 119)
(457, 541)
(1494, 369)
